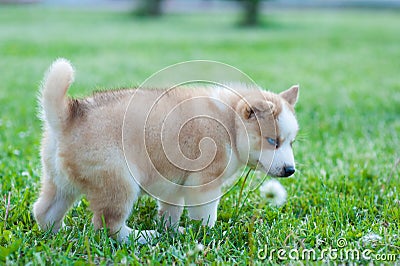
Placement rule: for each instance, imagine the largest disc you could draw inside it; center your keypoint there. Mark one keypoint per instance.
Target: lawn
(344, 199)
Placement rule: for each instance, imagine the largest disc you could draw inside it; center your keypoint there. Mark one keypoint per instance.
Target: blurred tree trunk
(251, 9)
(150, 8)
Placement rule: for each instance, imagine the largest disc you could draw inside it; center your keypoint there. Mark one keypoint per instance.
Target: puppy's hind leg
(53, 203)
(113, 201)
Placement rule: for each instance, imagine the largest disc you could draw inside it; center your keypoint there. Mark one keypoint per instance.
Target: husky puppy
(179, 145)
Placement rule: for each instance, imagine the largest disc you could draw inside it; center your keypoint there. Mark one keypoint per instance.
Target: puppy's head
(266, 130)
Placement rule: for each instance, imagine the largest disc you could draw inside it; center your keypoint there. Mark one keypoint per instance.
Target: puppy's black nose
(288, 171)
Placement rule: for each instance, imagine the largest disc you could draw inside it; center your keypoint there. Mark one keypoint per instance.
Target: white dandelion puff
(371, 238)
(273, 192)
(199, 247)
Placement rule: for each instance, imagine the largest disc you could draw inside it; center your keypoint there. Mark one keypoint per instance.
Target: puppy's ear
(248, 112)
(257, 108)
(291, 95)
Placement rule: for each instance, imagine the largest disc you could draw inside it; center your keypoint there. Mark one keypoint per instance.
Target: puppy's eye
(273, 142)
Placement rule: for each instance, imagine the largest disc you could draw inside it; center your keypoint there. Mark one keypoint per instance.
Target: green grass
(347, 186)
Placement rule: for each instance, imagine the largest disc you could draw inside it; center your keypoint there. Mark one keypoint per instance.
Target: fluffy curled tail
(54, 88)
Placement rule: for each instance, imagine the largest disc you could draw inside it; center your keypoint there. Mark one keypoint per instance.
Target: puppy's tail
(54, 88)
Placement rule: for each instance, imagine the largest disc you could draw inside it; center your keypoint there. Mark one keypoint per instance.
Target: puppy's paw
(145, 236)
(123, 235)
(142, 237)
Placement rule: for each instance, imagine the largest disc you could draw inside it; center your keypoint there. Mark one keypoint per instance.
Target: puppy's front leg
(207, 213)
(170, 214)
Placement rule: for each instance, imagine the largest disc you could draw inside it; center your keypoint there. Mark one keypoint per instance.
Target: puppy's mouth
(268, 172)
